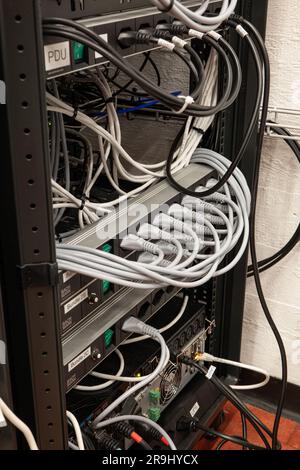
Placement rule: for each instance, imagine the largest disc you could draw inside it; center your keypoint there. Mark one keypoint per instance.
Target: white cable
(111, 379)
(133, 325)
(77, 430)
(197, 19)
(165, 328)
(141, 419)
(209, 358)
(20, 425)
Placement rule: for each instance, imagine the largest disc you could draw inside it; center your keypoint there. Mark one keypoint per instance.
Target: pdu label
(57, 55)
(79, 359)
(76, 301)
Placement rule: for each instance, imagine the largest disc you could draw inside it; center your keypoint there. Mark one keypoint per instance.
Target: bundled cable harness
(197, 19)
(217, 224)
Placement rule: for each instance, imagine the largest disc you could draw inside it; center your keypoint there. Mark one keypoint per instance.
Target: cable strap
(187, 101)
(76, 109)
(199, 130)
(83, 202)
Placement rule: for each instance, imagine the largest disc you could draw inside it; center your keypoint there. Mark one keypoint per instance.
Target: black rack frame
(27, 244)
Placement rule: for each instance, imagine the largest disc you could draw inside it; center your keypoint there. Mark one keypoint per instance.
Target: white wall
(279, 207)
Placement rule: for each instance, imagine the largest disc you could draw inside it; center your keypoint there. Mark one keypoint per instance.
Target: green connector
(79, 51)
(154, 396)
(105, 287)
(154, 413)
(106, 284)
(108, 338)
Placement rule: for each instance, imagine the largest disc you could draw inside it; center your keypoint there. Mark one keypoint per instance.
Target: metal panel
(30, 309)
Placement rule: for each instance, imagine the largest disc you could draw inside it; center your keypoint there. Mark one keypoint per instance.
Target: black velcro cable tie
(76, 109)
(200, 131)
(59, 237)
(83, 202)
(168, 8)
(109, 100)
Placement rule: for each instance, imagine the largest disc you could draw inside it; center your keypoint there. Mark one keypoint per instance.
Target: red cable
(164, 441)
(136, 437)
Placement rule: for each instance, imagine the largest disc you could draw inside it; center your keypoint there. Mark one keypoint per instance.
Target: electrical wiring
(194, 425)
(249, 133)
(20, 425)
(93, 388)
(267, 81)
(209, 358)
(77, 430)
(197, 19)
(271, 261)
(137, 418)
(180, 161)
(183, 273)
(192, 140)
(133, 325)
(234, 399)
(166, 327)
(75, 31)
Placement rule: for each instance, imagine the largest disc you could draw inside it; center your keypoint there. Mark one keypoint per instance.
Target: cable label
(79, 359)
(105, 38)
(195, 409)
(57, 55)
(76, 301)
(68, 275)
(211, 372)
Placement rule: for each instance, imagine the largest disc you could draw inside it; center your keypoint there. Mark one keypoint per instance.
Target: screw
(96, 355)
(93, 299)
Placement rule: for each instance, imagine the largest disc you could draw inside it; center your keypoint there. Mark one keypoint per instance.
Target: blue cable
(146, 103)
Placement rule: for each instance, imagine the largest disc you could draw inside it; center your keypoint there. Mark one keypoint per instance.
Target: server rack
(28, 268)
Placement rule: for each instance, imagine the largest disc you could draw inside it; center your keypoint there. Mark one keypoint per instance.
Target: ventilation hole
(28, 157)
(49, 407)
(27, 131)
(41, 315)
(22, 76)
(18, 18)
(46, 372)
(40, 294)
(35, 229)
(44, 353)
(36, 252)
(20, 48)
(51, 441)
(47, 390)
(33, 206)
(43, 335)
(50, 425)
(25, 104)
(30, 182)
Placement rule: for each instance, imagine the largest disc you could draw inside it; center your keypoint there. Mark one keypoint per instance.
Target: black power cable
(234, 399)
(245, 438)
(194, 425)
(267, 72)
(271, 261)
(74, 31)
(250, 130)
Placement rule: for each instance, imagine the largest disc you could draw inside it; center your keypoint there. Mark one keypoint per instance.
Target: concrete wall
(278, 207)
